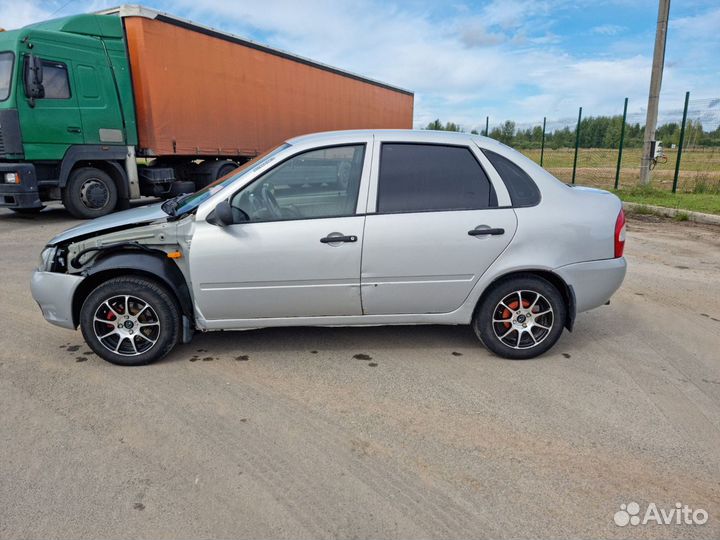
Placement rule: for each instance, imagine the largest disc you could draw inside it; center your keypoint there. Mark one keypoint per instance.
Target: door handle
(480, 232)
(334, 239)
(73, 129)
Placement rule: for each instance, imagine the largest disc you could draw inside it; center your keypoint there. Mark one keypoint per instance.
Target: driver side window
(315, 184)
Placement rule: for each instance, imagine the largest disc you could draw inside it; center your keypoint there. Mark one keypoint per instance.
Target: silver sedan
(345, 228)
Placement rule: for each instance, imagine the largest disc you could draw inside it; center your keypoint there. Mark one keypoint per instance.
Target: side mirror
(33, 79)
(37, 65)
(222, 216)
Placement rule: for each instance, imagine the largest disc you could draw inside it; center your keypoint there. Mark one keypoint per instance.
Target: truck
(102, 108)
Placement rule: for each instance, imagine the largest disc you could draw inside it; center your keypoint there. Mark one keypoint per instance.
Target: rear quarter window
(522, 188)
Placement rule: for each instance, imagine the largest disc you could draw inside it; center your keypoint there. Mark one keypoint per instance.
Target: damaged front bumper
(54, 294)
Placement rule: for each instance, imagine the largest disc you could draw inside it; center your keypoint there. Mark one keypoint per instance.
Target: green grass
(643, 209)
(693, 159)
(695, 202)
(699, 169)
(698, 185)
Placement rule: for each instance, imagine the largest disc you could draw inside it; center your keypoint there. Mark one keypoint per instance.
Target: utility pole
(655, 84)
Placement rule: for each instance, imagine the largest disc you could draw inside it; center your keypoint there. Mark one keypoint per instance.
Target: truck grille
(2, 142)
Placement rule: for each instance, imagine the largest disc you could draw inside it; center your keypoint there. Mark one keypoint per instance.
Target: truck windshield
(187, 203)
(6, 68)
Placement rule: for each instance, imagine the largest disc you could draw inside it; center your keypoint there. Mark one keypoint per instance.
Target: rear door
(436, 228)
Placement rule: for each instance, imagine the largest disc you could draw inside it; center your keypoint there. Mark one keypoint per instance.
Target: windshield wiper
(171, 205)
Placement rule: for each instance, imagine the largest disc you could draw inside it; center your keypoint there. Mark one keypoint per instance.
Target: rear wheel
(522, 317)
(227, 168)
(89, 193)
(209, 171)
(130, 321)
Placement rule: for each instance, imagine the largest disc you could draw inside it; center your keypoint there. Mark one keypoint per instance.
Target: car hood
(119, 220)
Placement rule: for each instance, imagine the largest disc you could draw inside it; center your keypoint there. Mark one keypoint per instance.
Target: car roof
(411, 135)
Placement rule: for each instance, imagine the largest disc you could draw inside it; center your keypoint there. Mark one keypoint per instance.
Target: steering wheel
(270, 201)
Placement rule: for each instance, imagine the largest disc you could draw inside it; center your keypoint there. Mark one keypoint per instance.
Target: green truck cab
(66, 115)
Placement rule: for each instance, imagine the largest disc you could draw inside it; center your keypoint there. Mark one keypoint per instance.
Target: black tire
(161, 323)
(89, 193)
(524, 335)
(209, 171)
(227, 168)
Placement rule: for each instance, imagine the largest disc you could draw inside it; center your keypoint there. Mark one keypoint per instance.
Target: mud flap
(187, 331)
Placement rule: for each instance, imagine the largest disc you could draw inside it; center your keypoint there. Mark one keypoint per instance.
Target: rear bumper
(593, 282)
(54, 294)
(24, 194)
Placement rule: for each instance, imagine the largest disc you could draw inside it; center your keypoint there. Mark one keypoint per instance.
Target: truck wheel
(521, 317)
(209, 171)
(226, 168)
(89, 193)
(130, 321)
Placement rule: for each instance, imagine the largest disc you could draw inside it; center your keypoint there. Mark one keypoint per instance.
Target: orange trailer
(201, 92)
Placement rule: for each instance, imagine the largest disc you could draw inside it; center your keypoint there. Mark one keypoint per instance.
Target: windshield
(6, 68)
(187, 203)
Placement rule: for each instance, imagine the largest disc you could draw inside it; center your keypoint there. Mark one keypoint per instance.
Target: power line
(66, 4)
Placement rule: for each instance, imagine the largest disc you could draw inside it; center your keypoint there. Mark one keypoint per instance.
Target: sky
(515, 60)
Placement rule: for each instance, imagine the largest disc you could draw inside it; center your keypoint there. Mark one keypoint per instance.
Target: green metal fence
(606, 151)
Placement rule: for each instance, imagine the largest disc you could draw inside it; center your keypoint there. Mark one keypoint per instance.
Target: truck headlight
(47, 258)
(11, 178)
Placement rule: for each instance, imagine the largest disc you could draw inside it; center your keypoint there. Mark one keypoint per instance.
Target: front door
(436, 230)
(52, 123)
(294, 250)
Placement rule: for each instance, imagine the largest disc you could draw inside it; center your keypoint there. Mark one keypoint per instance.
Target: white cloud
(18, 14)
(476, 34)
(504, 58)
(607, 29)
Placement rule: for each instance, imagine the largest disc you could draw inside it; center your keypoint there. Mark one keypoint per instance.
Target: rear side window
(522, 189)
(430, 177)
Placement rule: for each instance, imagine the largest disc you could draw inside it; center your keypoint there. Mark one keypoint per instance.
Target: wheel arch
(113, 169)
(131, 263)
(566, 290)
(108, 159)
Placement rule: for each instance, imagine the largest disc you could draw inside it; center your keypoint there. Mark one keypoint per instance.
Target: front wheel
(521, 317)
(130, 321)
(89, 193)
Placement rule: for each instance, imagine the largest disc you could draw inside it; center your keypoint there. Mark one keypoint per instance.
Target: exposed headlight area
(11, 178)
(47, 259)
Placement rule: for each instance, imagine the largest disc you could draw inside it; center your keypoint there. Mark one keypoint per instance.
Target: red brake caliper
(110, 317)
(513, 305)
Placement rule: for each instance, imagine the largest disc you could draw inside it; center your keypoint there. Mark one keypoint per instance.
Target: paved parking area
(410, 432)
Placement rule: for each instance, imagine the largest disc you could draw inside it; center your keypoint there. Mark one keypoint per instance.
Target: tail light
(620, 234)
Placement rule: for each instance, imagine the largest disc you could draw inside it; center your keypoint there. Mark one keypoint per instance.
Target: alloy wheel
(523, 319)
(126, 325)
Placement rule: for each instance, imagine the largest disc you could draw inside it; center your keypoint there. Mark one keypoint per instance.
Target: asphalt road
(406, 432)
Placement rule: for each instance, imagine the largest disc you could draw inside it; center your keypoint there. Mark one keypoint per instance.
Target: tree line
(595, 132)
